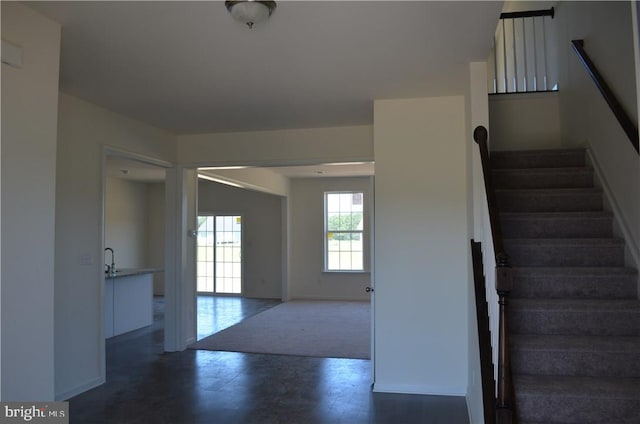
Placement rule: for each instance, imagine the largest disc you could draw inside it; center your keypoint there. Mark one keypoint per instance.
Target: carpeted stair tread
(566, 252)
(538, 158)
(555, 215)
(545, 170)
(612, 305)
(609, 388)
(549, 200)
(538, 422)
(567, 399)
(570, 271)
(543, 177)
(564, 241)
(594, 356)
(576, 224)
(588, 317)
(576, 343)
(575, 282)
(560, 191)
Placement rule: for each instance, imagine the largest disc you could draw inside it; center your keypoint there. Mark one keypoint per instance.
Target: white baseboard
(419, 389)
(619, 218)
(473, 418)
(331, 298)
(80, 389)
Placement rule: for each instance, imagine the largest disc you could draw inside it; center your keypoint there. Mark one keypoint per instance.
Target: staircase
(574, 313)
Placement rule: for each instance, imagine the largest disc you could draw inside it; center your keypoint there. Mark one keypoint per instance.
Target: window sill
(347, 272)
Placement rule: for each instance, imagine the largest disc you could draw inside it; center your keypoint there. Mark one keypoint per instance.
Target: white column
(422, 243)
(180, 281)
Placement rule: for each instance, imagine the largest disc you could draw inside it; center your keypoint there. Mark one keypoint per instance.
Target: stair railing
(623, 118)
(505, 400)
(487, 370)
(521, 62)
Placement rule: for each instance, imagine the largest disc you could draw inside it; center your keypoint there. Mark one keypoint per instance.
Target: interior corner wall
(84, 129)
(477, 114)
(126, 217)
(29, 121)
(524, 121)
(262, 238)
(422, 245)
(307, 278)
(586, 120)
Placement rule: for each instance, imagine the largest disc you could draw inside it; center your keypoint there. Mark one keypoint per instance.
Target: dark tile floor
(145, 385)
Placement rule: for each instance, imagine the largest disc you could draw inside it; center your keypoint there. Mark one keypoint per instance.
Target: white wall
(262, 229)
(134, 226)
(477, 114)
(155, 232)
(308, 279)
(292, 147)
(83, 131)
(126, 216)
(422, 243)
(525, 121)
(606, 28)
(29, 120)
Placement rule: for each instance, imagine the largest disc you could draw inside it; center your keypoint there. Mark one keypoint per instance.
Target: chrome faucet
(111, 269)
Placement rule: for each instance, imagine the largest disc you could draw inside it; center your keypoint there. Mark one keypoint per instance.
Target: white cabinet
(128, 303)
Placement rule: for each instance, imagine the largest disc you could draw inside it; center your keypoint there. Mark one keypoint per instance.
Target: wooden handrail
(623, 118)
(481, 136)
(528, 14)
(505, 403)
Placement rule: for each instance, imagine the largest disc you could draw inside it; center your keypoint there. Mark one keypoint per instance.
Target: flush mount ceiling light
(250, 12)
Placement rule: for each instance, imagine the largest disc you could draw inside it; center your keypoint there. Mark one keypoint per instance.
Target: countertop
(128, 272)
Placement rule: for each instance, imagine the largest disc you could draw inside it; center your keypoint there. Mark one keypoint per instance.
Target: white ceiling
(189, 67)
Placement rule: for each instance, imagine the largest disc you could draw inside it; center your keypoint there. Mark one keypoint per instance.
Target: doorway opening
(134, 220)
(219, 255)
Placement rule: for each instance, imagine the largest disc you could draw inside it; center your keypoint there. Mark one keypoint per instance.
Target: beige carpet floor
(303, 328)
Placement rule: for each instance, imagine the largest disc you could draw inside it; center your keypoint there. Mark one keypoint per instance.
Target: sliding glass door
(220, 254)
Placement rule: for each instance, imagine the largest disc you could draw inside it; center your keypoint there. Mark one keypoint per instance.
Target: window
(343, 230)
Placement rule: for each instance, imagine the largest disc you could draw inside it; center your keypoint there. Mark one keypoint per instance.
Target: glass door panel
(220, 268)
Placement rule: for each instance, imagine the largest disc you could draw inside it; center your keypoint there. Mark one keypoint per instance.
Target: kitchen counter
(128, 272)
(128, 300)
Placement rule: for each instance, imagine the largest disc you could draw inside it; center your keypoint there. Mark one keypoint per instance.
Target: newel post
(504, 284)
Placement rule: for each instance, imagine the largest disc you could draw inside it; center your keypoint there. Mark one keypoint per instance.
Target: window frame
(363, 233)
